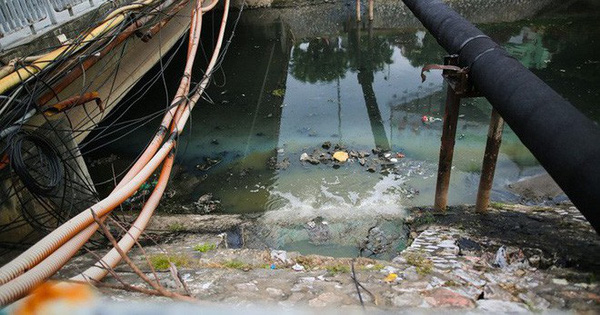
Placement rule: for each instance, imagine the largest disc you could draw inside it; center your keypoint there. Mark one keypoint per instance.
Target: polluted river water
(284, 90)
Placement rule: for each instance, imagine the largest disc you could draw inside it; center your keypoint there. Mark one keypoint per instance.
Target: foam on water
(336, 203)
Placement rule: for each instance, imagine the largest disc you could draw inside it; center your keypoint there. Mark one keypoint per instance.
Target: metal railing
(18, 14)
(61, 5)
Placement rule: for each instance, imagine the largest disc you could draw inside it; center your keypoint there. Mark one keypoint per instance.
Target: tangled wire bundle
(36, 162)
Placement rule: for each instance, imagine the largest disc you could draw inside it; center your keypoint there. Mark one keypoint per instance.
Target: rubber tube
(63, 233)
(19, 264)
(112, 258)
(20, 286)
(194, 99)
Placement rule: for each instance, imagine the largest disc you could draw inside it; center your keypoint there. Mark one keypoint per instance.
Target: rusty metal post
(446, 149)
(489, 161)
(358, 10)
(370, 10)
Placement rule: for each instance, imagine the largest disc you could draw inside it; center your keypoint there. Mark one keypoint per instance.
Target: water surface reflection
(357, 86)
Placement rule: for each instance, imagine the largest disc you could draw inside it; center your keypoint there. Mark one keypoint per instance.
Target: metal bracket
(460, 86)
(72, 102)
(458, 80)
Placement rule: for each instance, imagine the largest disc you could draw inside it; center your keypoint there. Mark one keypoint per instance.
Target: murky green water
(280, 95)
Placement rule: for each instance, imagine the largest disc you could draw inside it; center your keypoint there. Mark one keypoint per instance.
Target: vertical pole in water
(370, 10)
(489, 161)
(358, 10)
(446, 149)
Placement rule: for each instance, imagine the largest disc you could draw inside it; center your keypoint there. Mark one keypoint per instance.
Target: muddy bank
(538, 190)
(498, 262)
(559, 236)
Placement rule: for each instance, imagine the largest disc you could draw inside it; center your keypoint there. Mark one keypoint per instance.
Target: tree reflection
(366, 59)
(372, 56)
(319, 60)
(327, 59)
(421, 48)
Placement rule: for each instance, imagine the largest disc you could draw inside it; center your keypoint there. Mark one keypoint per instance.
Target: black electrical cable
(43, 184)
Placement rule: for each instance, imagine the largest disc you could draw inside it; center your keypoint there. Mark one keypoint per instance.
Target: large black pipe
(564, 141)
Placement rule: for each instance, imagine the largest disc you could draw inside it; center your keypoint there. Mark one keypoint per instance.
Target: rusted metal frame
(72, 102)
(453, 78)
(457, 78)
(446, 149)
(459, 86)
(490, 158)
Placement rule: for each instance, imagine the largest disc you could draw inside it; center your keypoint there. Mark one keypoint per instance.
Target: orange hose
(210, 6)
(63, 233)
(167, 119)
(21, 285)
(112, 258)
(202, 86)
(182, 91)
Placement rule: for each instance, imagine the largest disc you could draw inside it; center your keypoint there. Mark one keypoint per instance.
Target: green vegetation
(540, 209)
(236, 264)
(338, 268)
(497, 205)
(204, 247)
(378, 267)
(278, 92)
(161, 261)
(176, 227)
(424, 266)
(264, 266)
(425, 218)
(233, 264)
